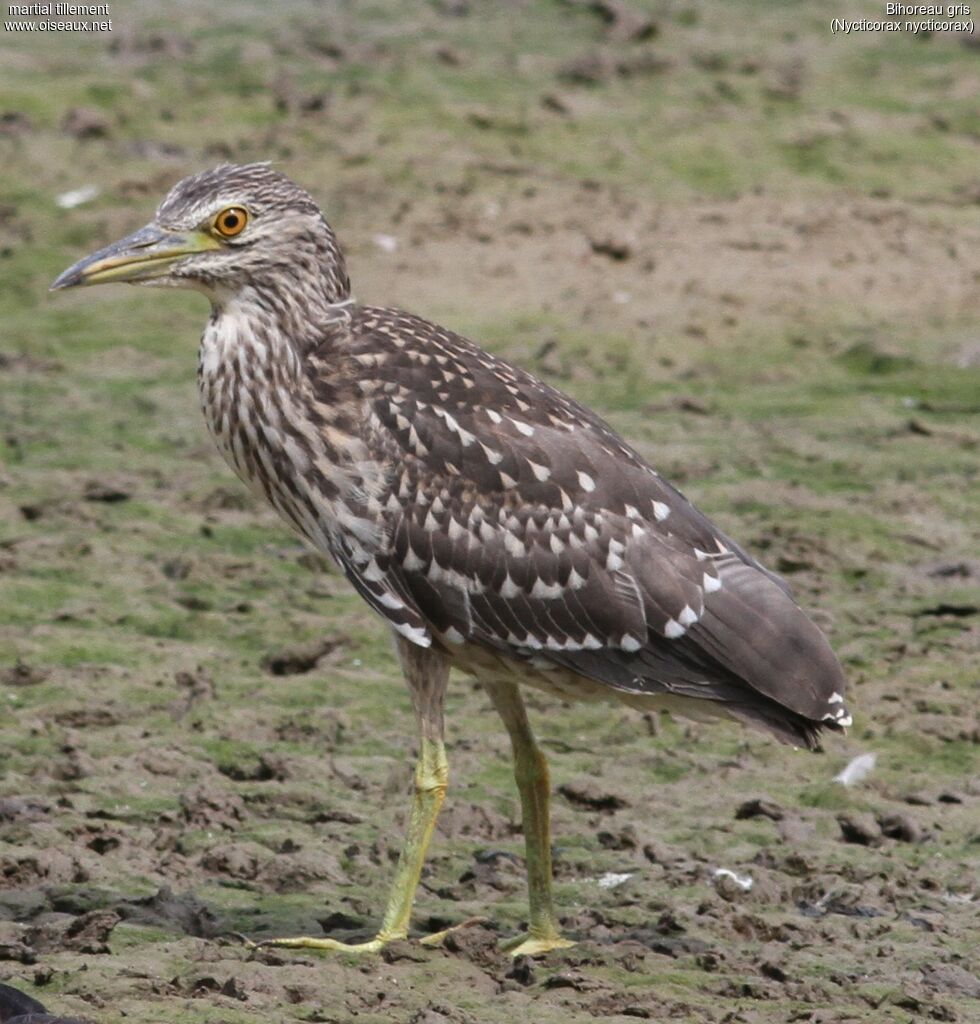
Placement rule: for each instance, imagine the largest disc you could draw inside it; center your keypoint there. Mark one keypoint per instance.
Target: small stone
(14, 122)
(100, 490)
(759, 808)
(859, 828)
(590, 794)
(774, 971)
(953, 979)
(901, 827)
(615, 248)
(918, 799)
(299, 658)
(523, 971)
(587, 69)
(22, 674)
(85, 123)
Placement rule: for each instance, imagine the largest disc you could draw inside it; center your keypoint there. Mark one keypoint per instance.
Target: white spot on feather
(412, 561)
(416, 634)
(493, 457)
(673, 629)
(509, 588)
(660, 511)
(525, 428)
(456, 531)
(514, 545)
(373, 572)
(585, 481)
(711, 583)
(540, 472)
(417, 446)
(436, 573)
(546, 591)
(688, 616)
(630, 643)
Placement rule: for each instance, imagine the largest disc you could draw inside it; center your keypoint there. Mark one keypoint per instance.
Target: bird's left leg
(534, 787)
(427, 674)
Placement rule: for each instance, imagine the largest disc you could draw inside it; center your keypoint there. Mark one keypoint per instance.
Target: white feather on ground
(856, 770)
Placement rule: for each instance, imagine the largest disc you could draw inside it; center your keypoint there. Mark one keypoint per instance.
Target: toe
(535, 945)
(324, 945)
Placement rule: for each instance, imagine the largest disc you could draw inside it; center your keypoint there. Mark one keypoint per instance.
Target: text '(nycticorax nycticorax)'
(494, 523)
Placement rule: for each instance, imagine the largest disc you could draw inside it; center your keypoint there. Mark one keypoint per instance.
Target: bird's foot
(535, 945)
(374, 945)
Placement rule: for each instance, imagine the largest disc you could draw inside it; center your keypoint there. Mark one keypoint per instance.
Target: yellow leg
(427, 674)
(431, 779)
(533, 784)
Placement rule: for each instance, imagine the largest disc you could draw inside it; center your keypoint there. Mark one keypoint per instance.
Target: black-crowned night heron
(495, 524)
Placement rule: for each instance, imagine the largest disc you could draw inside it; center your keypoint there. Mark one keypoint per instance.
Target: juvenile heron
(495, 524)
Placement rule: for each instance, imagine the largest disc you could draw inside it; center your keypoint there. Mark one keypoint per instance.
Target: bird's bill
(143, 255)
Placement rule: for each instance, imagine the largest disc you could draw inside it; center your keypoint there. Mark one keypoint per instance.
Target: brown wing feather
(519, 520)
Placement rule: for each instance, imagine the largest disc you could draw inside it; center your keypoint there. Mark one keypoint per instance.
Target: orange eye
(231, 222)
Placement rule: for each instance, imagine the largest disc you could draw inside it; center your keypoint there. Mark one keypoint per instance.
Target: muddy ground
(756, 247)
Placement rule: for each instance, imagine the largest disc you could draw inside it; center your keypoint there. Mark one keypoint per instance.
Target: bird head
(223, 231)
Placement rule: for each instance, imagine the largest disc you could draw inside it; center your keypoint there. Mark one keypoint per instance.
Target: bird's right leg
(427, 674)
(534, 786)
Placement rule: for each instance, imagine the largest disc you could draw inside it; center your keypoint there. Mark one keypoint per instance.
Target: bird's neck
(271, 426)
(248, 370)
(281, 318)
(249, 336)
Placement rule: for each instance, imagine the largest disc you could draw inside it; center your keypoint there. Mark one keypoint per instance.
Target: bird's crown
(258, 186)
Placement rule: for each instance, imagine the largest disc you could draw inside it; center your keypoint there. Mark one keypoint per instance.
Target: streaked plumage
(479, 511)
